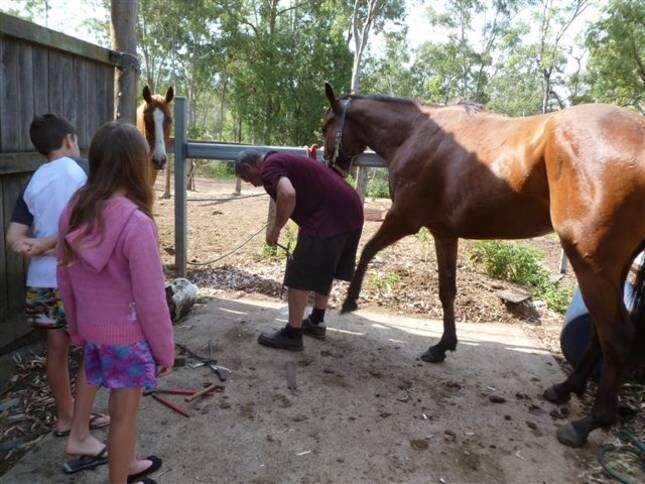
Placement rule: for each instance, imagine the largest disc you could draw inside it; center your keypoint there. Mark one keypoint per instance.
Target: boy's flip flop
(85, 462)
(93, 425)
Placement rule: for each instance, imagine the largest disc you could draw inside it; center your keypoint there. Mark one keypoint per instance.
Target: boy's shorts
(44, 308)
(317, 261)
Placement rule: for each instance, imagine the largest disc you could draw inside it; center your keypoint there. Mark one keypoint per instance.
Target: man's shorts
(317, 261)
(44, 308)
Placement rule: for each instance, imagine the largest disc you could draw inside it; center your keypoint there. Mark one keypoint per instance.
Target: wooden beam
(23, 162)
(11, 26)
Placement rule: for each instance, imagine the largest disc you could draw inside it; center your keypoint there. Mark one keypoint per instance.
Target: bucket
(576, 329)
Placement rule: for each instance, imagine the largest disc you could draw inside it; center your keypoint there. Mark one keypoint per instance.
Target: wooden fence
(41, 71)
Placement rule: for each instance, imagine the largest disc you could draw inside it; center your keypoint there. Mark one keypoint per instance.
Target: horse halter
(338, 155)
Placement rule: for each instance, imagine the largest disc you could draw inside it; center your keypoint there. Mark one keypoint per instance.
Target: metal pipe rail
(185, 149)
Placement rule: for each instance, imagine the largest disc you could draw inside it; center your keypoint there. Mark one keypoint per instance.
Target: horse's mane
(469, 106)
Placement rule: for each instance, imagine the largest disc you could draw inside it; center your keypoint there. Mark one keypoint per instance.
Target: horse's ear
(147, 95)
(170, 94)
(331, 97)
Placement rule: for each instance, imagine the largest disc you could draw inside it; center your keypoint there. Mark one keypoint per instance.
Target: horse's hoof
(572, 437)
(434, 355)
(552, 395)
(348, 307)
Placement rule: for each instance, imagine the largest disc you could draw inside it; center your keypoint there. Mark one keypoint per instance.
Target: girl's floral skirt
(120, 366)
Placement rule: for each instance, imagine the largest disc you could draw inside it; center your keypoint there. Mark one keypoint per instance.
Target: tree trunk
(546, 81)
(123, 29)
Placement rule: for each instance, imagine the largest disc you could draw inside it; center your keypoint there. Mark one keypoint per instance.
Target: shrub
(520, 263)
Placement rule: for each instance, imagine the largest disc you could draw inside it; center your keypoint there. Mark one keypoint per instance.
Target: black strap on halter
(338, 141)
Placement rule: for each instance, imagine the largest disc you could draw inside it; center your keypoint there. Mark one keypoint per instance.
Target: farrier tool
(221, 371)
(154, 393)
(287, 250)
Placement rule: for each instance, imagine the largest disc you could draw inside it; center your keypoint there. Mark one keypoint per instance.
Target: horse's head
(342, 144)
(154, 120)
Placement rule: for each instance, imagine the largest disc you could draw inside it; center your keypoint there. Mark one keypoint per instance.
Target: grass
(521, 263)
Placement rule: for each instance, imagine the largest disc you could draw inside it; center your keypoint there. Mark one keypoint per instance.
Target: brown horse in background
(154, 120)
(463, 172)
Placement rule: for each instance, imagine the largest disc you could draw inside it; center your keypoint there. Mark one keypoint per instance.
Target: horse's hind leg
(395, 226)
(601, 288)
(577, 380)
(446, 248)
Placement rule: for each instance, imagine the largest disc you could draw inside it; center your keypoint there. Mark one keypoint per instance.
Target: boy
(39, 207)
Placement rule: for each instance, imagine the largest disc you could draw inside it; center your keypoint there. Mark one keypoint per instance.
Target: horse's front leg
(446, 249)
(395, 226)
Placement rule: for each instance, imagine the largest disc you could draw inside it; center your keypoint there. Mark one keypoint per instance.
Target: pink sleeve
(65, 283)
(148, 289)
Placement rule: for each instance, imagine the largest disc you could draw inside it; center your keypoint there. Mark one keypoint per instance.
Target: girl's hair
(119, 159)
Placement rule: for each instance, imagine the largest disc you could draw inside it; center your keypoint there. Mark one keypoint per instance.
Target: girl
(112, 286)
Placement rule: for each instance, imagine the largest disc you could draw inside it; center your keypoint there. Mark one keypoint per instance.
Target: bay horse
(463, 172)
(154, 120)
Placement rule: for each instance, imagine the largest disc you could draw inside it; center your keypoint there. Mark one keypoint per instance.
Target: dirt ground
(365, 408)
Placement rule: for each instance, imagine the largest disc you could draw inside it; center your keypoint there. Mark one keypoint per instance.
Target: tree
(554, 20)
(368, 14)
(616, 66)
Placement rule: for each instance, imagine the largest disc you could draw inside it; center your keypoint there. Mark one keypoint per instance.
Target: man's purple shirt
(326, 205)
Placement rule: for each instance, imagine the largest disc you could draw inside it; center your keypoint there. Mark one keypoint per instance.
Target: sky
(419, 30)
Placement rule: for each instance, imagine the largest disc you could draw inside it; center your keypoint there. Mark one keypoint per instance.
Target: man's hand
(272, 237)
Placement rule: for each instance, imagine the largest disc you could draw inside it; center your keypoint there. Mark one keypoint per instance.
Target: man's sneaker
(317, 331)
(280, 339)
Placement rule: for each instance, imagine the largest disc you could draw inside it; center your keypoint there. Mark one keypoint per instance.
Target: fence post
(361, 182)
(238, 186)
(180, 186)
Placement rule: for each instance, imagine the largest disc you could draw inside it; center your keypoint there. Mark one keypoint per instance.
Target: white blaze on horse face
(159, 150)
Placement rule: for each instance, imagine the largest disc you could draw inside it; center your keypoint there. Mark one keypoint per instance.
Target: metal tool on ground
(287, 250)
(221, 371)
(154, 393)
(201, 393)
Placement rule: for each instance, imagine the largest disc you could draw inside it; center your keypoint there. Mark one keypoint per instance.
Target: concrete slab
(366, 409)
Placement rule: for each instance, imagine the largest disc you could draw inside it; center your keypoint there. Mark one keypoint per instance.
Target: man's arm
(285, 203)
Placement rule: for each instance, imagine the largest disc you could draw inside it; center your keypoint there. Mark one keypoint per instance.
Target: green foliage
(615, 71)
(522, 264)
(290, 232)
(424, 236)
(386, 281)
(378, 187)
(214, 169)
